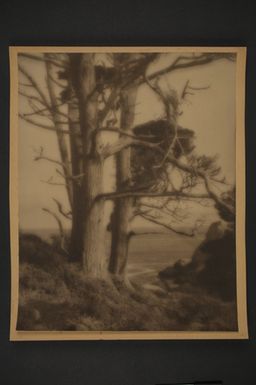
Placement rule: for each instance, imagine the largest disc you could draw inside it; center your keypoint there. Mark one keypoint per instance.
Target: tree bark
(120, 221)
(76, 150)
(93, 256)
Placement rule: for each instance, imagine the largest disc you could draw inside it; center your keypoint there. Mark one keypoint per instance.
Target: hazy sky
(210, 113)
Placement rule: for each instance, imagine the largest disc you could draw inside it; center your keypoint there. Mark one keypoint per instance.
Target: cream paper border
(242, 332)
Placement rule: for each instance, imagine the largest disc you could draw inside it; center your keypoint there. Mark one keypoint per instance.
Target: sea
(149, 253)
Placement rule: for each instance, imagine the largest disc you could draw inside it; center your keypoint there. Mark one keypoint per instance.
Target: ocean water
(150, 253)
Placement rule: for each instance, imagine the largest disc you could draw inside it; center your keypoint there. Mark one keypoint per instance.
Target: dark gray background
(159, 22)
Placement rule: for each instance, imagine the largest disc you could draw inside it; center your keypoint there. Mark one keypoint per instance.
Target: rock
(212, 267)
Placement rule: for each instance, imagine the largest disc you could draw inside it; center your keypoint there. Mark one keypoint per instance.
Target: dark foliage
(33, 250)
(146, 162)
(212, 268)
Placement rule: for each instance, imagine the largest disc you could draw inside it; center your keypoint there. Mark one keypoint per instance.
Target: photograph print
(127, 193)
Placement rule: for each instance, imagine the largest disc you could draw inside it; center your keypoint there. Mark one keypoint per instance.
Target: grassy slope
(55, 295)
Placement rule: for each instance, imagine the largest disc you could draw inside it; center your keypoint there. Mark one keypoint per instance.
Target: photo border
(242, 332)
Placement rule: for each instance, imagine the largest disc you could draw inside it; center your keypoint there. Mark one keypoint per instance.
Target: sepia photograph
(127, 193)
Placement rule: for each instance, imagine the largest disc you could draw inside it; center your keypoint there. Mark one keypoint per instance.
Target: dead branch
(47, 127)
(167, 226)
(41, 156)
(33, 97)
(149, 194)
(41, 112)
(61, 230)
(42, 59)
(122, 132)
(50, 182)
(170, 158)
(171, 104)
(25, 85)
(189, 61)
(133, 234)
(122, 143)
(71, 177)
(35, 85)
(202, 88)
(66, 214)
(35, 123)
(184, 167)
(188, 88)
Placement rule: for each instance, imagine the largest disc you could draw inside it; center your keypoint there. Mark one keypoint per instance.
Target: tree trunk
(94, 262)
(76, 150)
(57, 118)
(121, 217)
(93, 257)
(120, 236)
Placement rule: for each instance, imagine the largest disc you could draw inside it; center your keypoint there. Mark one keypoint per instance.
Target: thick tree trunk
(121, 217)
(94, 262)
(120, 236)
(93, 256)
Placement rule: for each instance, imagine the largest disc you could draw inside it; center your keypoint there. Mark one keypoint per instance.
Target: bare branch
(33, 97)
(167, 226)
(71, 177)
(35, 123)
(50, 182)
(206, 180)
(189, 61)
(35, 85)
(123, 132)
(171, 105)
(61, 230)
(66, 214)
(187, 88)
(47, 127)
(202, 88)
(25, 85)
(37, 111)
(122, 143)
(181, 166)
(41, 156)
(149, 194)
(42, 59)
(133, 234)
(126, 142)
